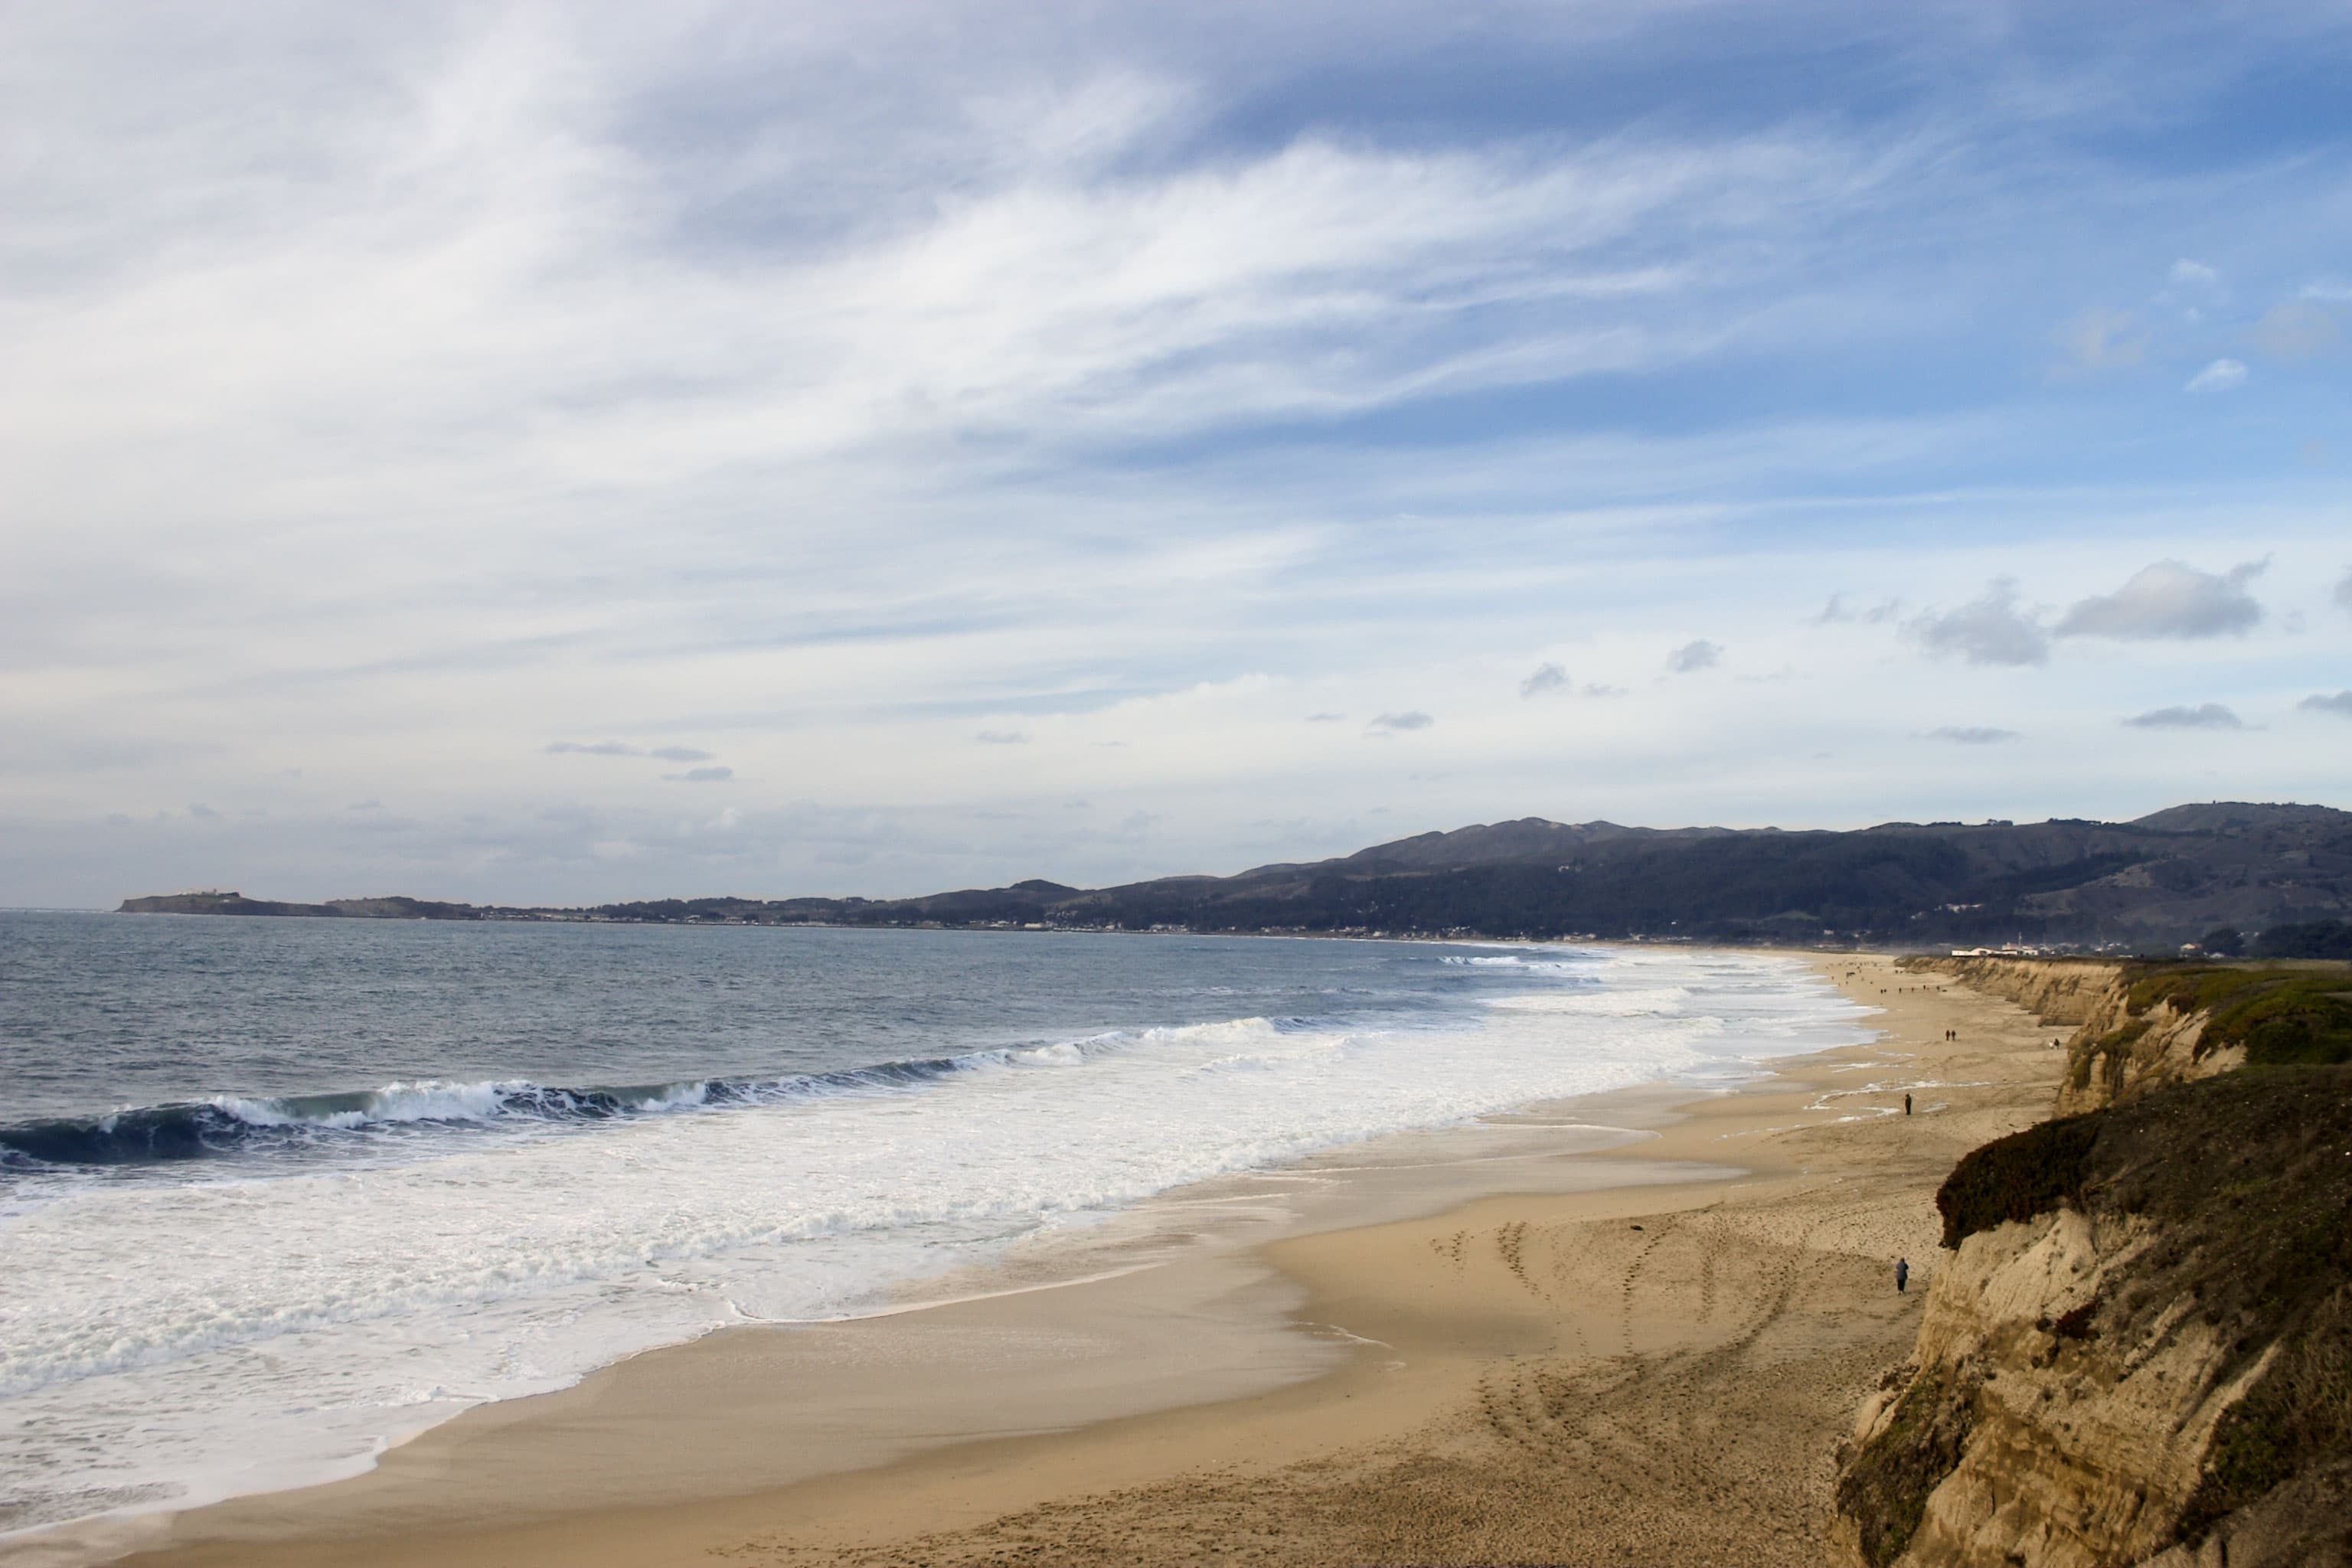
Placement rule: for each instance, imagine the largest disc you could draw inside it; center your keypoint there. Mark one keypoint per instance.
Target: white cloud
(1989, 629)
(2171, 600)
(2195, 274)
(1412, 719)
(2222, 375)
(2329, 702)
(1001, 738)
(1971, 735)
(1547, 679)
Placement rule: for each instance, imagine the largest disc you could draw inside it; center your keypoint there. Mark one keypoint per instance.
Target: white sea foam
(175, 1340)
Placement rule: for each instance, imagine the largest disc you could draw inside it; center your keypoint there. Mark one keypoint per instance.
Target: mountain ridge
(2164, 879)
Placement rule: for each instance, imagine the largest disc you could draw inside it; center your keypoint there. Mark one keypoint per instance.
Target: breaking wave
(1581, 972)
(231, 1125)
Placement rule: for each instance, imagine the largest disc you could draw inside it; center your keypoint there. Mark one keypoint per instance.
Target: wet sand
(1629, 1329)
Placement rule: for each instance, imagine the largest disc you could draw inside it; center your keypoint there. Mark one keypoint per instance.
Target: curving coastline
(1479, 1341)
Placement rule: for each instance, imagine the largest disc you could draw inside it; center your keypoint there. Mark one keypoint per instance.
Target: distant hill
(2162, 880)
(391, 909)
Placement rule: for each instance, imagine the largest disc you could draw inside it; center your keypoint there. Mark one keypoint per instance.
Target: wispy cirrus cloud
(2220, 376)
(838, 383)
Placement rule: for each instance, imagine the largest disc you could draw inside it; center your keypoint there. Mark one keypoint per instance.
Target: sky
(553, 453)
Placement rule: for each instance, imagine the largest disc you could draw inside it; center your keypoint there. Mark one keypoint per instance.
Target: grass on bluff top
(2281, 1017)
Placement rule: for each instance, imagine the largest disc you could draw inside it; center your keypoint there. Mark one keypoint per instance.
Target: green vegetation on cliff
(2016, 1177)
(2281, 1017)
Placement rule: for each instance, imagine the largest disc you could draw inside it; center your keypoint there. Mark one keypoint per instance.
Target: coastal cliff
(2120, 1053)
(2139, 1026)
(2140, 1350)
(2055, 990)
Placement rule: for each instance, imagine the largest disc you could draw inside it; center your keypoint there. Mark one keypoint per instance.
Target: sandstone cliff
(2139, 1026)
(2118, 1054)
(2055, 990)
(2141, 1350)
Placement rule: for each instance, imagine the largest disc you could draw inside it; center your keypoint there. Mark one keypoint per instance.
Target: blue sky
(563, 452)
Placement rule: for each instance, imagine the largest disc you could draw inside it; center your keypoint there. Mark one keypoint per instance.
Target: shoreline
(1058, 1388)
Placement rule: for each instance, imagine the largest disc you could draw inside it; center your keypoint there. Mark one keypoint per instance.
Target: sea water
(275, 1193)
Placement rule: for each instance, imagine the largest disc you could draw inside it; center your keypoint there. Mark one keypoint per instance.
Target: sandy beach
(1631, 1329)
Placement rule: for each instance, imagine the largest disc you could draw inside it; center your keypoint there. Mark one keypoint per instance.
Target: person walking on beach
(1902, 1275)
(1907, 1105)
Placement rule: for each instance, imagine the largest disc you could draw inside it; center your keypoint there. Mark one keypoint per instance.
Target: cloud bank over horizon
(966, 446)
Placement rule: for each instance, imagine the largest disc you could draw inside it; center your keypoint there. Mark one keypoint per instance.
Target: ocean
(275, 1193)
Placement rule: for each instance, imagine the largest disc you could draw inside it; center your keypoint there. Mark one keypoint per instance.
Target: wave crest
(228, 1125)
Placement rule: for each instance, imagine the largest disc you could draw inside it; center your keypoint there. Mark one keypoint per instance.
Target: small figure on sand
(1902, 1275)
(1907, 1105)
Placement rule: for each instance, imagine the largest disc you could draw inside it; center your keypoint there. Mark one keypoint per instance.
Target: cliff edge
(2140, 1349)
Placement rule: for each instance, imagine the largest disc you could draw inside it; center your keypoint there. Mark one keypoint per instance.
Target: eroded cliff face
(2117, 1055)
(2082, 1449)
(2055, 990)
(2141, 1352)
(2115, 1052)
